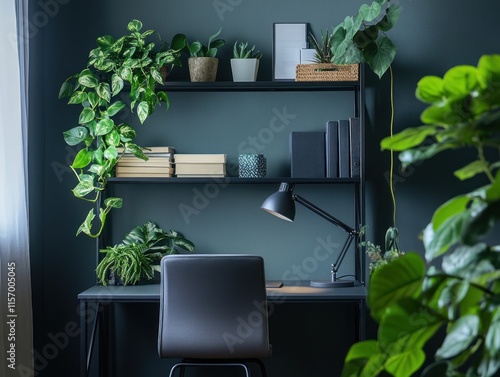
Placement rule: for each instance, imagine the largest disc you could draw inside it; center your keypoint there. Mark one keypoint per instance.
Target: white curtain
(16, 329)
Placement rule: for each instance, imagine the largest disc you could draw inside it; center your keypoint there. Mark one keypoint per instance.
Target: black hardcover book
(307, 154)
(332, 149)
(344, 161)
(355, 145)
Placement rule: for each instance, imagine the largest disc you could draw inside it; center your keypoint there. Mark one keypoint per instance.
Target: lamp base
(332, 284)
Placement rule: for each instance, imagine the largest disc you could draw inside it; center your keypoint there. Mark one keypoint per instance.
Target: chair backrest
(213, 306)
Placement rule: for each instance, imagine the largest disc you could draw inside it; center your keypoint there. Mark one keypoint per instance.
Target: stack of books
(200, 165)
(159, 164)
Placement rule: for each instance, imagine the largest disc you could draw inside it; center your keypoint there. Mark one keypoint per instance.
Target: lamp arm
(323, 214)
(351, 231)
(340, 258)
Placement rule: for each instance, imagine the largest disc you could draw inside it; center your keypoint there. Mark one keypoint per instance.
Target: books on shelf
(199, 158)
(343, 148)
(145, 169)
(200, 165)
(200, 175)
(159, 163)
(150, 150)
(200, 168)
(307, 154)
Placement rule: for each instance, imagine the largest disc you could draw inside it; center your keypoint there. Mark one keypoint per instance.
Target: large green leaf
(78, 97)
(464, 261)
(379, 55)
(448, 234)
(134, 26)
(116, 84)
(86, 115)
(105, 41)
(143, 111)
(83, 188)
(113, 202)
(113, 138)
(86, 226)
(408, 322)
(471, 170)
(114, 108)
(460, 336)
(430, 89)
(460, 81)
(75, 136)
(406, 363)
(104, 91)
(370, 12)
(66, 90)
(390, 18)
(104, 126)
(488, 72)
(448, 209)
(82, 159)
(87, 79)
(400, 278)
(408, 138)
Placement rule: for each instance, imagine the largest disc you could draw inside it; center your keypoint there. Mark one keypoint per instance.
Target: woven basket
(327, 72)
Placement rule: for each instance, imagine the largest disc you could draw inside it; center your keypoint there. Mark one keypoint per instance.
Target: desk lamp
(282, 204)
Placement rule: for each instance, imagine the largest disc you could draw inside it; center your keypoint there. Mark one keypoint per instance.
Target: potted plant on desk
(245, 62)
(138, 255)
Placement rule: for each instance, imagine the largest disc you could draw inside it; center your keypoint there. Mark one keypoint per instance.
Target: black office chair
(213, 311)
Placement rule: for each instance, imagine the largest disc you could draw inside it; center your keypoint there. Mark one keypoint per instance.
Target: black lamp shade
(281, 203)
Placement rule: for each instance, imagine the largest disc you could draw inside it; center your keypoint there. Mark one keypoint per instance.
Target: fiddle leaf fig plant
(456, 287)
(138, 255)
(132, 60)
(362, 37)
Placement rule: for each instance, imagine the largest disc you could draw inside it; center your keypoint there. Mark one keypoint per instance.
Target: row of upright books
(164, 162)
(333, 153)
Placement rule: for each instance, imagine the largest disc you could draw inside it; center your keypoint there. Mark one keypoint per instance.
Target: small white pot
(244, 69)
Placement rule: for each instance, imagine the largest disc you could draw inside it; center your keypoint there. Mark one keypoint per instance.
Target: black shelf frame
(355, 87)
(259, 86)
(231, 180)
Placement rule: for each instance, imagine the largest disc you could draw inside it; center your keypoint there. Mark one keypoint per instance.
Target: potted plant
(363, 38)
(202, 61)
(245, 62)
(453, 295)
(129, 60)
(138, 255)
(323, 68)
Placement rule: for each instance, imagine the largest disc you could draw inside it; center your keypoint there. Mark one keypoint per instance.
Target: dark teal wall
(431, 36)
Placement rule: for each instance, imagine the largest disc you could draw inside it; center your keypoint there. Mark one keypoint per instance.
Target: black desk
(292, 292)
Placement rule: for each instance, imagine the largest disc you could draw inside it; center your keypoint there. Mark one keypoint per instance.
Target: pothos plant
(138, 255)
(130, 63)
(457, 287)
(362, 37)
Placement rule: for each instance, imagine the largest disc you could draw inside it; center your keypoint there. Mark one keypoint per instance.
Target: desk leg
(103, 343)
(361, 320)
(83, 339)
(86, 348)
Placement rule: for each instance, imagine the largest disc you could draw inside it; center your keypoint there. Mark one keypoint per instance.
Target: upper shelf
(259, 86)
(232, 180)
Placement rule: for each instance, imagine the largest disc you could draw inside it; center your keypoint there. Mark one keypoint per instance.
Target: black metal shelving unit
(356, 87)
